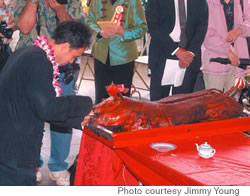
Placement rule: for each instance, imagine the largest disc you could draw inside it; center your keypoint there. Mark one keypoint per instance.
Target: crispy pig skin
(126, 114)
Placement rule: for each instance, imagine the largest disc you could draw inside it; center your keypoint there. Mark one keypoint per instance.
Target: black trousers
(11, 175)
(188, 82)
(105, 74)
(158, 92)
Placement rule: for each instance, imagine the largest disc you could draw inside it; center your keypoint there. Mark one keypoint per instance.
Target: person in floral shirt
(6, 14)
(6, 18)
(47, 13)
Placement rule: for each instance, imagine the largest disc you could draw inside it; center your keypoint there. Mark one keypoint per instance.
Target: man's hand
(185, 57)
(183, 65)
(60, 10)
(233, 35)
(86, 119)
(233, 58)
(55, 5)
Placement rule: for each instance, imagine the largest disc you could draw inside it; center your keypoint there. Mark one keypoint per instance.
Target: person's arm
(138, 26)
(109, 31)
(93, 18)
(234, 59)
(80, 107)
(245, 21)
(1, 3)
(60, 10)
(42, 97)
(234, 34)
(242, 29)
(27, 19)
(185, 57)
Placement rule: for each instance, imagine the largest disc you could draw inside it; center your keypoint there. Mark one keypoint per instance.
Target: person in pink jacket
(226, 36)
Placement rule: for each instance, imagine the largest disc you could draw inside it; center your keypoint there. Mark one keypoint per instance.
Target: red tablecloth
(129, 157)
(98, 164)
(183, 166)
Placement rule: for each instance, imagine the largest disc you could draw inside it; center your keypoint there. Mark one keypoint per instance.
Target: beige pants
(222, 83)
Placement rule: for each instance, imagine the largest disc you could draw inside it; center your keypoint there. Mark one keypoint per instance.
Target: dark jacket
(160, 15)
(27, 100)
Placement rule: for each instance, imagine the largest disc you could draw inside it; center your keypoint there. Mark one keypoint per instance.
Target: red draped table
(128, 158)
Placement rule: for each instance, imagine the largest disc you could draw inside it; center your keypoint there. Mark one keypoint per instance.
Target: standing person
(115, 49)
(40, 17)
(7, 27)
(226, 38)
(30, 95)
(175, 34)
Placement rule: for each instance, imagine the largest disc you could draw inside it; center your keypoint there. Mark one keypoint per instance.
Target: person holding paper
(177, 30)
(115, 49)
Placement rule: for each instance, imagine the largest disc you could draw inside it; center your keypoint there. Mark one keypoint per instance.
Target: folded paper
(173, 74)
(103, 24)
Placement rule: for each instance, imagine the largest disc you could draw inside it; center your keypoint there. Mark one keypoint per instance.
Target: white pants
(223, 83)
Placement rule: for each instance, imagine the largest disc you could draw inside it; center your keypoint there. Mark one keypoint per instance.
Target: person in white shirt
(170, 41)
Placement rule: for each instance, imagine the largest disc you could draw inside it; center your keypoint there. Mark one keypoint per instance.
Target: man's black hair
(75, 32)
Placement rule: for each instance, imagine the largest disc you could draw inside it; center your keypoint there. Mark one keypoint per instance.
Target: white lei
(42, 42)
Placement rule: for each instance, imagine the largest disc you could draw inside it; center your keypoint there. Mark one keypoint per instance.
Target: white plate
(163, 146)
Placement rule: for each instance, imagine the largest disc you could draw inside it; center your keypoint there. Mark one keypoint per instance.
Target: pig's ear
(114, 90)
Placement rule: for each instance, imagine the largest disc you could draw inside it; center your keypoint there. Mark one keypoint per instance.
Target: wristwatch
(35, 1)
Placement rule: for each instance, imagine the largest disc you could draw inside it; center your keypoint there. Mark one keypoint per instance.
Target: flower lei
(42, 42)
